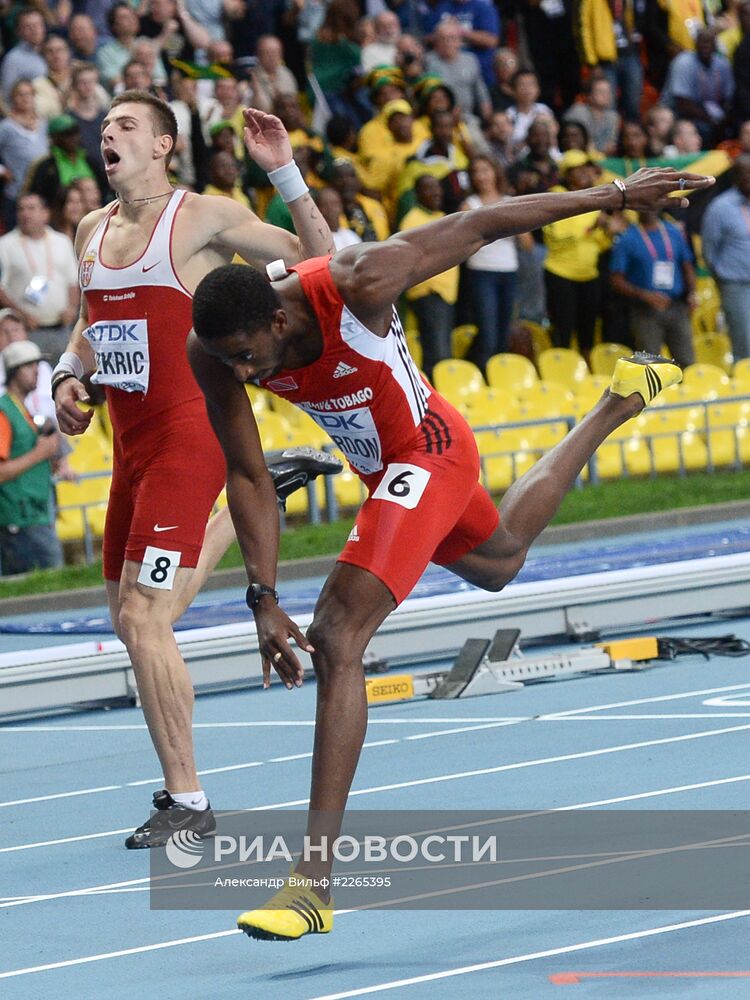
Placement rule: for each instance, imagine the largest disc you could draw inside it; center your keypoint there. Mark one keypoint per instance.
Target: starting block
(485, 666)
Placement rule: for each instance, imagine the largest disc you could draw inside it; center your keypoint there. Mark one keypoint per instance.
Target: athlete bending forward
(327, 337)
(140, 260)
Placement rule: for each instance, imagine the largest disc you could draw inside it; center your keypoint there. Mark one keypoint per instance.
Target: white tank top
(501, 255)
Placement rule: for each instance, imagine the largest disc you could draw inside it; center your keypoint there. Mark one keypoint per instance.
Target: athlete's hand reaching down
(275, 628)
(266, 139)
(70, 417)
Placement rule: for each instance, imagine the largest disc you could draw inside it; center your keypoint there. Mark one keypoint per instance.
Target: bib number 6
(402, 484)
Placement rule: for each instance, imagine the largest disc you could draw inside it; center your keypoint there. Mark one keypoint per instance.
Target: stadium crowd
(399, 111)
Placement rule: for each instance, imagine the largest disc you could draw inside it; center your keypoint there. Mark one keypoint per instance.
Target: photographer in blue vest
(27, 449)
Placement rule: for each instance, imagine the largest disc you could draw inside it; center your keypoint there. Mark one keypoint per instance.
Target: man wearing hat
(66, 162)
(571, 269)
(385, 84)
(27, 534)
(39, 276)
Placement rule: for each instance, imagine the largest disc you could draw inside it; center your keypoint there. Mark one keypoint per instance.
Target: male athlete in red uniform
(140, 260)
(327, 336)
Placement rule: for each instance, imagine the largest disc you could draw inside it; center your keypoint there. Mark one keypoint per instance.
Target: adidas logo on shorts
(353, 535)
(343, 369)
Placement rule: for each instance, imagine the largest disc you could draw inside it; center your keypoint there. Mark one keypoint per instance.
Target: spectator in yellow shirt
(571, 270)
(384, 168)
(432, 301)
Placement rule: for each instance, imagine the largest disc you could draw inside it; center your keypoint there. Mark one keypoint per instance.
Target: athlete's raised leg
(532, 501)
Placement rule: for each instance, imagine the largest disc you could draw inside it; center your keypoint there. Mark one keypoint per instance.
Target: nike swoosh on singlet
(169, 527)
(150, 266)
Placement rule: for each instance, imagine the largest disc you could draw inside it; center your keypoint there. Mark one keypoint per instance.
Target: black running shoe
(170, 817)
(296, 467)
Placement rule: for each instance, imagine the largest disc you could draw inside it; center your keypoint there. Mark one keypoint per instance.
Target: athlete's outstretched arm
(268, 144)
(252, 504)
(371, 276)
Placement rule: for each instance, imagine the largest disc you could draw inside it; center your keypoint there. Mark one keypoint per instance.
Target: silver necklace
(145, 201)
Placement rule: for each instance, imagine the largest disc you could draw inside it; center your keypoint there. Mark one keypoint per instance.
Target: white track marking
(60, 795)
(265, 723)
(143, 883)
(641, 718)
(534, 956)
(463, 729)
(646, 701)
(483, 722)
(726, 702)
(454, 776)
(118, 954)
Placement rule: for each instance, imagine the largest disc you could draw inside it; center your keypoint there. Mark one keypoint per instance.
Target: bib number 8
(160, 572)
(402, 484)
(159, 567)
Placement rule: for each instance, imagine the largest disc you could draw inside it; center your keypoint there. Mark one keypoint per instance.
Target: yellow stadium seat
(348, 489)
(275, 431)
(457, 380)
(462, 338)
(704, 317)
(544, 437)
(741, 374)
(561, 364)
(709, 379)
(729, 446)
(511, 371)
(540, 336)
(623, 453)
(103, 419)
(604, 357)
(671, 450)
(714, 349)
(548, 399)
(491, 406)
(670, 419)
(259, 398)
(414, 345)
(506, 453)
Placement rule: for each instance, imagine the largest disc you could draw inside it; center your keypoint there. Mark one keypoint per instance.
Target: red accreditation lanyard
(49, 263)
(665, 239)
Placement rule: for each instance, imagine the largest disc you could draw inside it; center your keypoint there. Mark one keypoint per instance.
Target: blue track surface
(672, 737)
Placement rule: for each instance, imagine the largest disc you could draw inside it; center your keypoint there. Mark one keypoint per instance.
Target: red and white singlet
(414, 452)
(168, 467)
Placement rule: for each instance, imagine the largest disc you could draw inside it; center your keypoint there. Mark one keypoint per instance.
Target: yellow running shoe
(294, 911)
(644, 373)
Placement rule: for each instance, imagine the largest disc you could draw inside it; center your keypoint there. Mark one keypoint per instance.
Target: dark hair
(231, 299)
(113, 11)
(338, 129)
(162, 115)
(524, 71)
(572, 123)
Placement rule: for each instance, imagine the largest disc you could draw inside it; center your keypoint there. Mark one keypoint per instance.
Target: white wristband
(288, 181)
(69, 362)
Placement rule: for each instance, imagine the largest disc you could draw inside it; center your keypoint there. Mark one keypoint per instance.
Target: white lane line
(646, 701)
(118, 954)
(143, 883)
(463, 729)
(641, 718)
(265, 723)
(534, 763)
(534, 956)
(454, 776)
(726, 701)
(60, 795)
